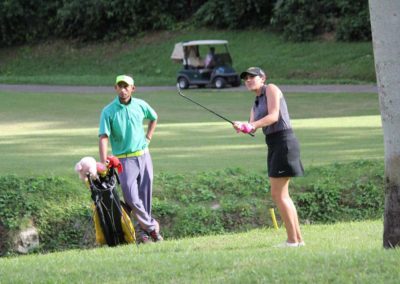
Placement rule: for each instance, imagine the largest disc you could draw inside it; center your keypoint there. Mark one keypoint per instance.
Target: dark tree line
(23, 21)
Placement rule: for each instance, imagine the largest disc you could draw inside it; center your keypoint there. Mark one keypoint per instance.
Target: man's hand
(148, 140)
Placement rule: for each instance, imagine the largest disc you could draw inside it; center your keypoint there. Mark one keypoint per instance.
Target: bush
(52, 204)
(333, 196)
(26, 20)
(234, 14)
(302, 20)
(305, 20)
(354, 24)
(94, 20)
(231, 200)
(211, 203)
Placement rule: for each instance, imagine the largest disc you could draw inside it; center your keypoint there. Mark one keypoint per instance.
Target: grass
(339, 253)
(48, 133)
(148, 59)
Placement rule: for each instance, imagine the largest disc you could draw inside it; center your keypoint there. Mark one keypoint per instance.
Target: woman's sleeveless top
(260, 110)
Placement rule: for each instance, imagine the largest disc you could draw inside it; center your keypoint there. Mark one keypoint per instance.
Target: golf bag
(113, 225)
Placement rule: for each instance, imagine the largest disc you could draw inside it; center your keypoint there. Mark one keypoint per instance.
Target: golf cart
(200, 68)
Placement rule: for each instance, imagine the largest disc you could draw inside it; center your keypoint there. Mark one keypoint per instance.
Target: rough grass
(148, 58)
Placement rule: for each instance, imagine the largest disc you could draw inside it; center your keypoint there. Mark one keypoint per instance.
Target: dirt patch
(3, 240)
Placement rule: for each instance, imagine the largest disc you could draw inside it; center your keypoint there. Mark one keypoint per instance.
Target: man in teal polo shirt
(121, 124)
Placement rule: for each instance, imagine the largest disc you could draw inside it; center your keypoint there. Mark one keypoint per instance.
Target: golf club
(213, 112)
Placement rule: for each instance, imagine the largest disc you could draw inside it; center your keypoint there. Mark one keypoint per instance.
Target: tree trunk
(385, 24)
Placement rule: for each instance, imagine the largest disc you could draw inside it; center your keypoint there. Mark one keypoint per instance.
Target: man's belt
(133, 154)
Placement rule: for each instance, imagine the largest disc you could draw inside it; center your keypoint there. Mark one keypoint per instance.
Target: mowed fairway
(44, 134)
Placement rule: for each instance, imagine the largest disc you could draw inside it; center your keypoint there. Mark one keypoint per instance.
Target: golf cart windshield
(192, 54)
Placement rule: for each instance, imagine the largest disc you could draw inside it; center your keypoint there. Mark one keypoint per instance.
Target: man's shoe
(156, 236)
(143, 239)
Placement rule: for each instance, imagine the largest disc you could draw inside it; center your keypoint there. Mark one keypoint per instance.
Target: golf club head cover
(113, 162)
(101, 169)
(246, 128)
(86, 166)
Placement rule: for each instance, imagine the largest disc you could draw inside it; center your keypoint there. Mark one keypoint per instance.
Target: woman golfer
(270, 113)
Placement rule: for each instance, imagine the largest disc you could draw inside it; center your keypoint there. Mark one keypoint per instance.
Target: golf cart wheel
(219, 83)
(183, 83)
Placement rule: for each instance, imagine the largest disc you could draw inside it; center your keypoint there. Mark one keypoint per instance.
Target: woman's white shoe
(288, 245)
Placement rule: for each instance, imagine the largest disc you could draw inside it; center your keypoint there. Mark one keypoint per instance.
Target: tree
(385, 24)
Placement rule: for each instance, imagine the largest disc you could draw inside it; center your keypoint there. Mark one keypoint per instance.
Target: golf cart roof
(178, 54)
(204, 42)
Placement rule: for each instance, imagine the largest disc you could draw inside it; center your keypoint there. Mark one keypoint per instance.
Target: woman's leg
(280, 195)
(297, 223)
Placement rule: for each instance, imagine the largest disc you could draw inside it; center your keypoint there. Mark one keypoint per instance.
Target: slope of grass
(148, 59)
(340, 253)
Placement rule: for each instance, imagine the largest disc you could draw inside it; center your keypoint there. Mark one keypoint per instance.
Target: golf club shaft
(220, 116)
(224, 118)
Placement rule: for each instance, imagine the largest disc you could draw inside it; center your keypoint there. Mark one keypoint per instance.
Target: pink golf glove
(246, 128)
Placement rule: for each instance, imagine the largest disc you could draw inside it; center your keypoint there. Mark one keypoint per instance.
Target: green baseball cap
(124, 78)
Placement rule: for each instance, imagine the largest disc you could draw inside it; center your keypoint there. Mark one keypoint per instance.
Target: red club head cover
(113, 162)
